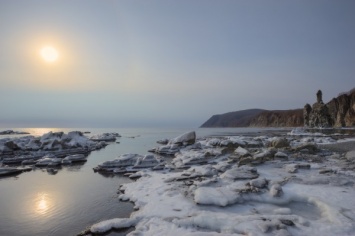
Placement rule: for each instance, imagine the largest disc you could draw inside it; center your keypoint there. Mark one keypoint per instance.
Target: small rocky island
(11, 132)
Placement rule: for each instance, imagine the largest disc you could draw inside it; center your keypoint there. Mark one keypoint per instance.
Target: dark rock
(339, 112)
(287, 222)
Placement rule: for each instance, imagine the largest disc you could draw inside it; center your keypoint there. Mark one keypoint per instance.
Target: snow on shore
(242, 187)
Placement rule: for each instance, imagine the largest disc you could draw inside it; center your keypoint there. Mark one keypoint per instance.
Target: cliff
(257, 118)
(339, 112)
(278, 118)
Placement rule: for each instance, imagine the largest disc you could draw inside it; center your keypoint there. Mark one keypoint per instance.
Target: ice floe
(50, 149)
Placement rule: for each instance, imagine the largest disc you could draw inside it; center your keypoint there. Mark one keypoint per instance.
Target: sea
(43, 204)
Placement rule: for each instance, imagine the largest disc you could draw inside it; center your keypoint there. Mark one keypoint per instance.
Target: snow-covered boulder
(350, 156)
(184, 139)
(241, 152)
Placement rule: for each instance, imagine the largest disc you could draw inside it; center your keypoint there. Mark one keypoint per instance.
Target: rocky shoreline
(295, 184)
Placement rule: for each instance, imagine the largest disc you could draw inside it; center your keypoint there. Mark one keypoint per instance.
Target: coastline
(344, 146)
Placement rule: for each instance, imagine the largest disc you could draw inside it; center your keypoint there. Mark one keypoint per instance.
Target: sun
(49, 54)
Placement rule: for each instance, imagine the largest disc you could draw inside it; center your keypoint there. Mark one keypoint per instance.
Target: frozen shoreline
(266, 186)
(343, 146)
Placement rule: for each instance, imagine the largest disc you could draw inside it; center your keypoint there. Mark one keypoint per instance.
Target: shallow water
(37, 203)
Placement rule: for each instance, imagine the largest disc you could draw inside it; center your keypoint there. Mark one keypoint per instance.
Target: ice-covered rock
(193, 157)
(350, 156)
(163, 141)
(240, 173)
(131, 163)
(184, 139)
(74, 158)
(216, 196)
(106, 137)
(48, 161)
(56, 143)
(169, 149)
(241, 152)
(175, 144)
(281, 156)
(124, 160)
(276, 190)
(310, 147)
(263, 155)
(7, 171)
(279, 142)
(259, 183)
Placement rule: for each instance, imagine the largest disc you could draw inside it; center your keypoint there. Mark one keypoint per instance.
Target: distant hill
(257, 118)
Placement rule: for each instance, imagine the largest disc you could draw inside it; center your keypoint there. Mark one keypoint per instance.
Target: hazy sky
(169, 63)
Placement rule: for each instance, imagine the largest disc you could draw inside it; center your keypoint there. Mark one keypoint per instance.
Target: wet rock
(326, 171)
(319, 115)
(163, 141)
(287, 222)
(310, 147)
(279, 143)
(245, 161)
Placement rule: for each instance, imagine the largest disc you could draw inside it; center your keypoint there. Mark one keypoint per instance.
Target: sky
(169, 63)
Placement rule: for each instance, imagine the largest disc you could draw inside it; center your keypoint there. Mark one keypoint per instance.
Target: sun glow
(42, 203)
(49, 54)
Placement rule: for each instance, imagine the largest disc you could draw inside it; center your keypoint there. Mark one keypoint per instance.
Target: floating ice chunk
(74, 158)
(47, 161)
(117, 223)
(107, 137)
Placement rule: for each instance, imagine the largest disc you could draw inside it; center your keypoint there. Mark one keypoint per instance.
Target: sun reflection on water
(42, 203)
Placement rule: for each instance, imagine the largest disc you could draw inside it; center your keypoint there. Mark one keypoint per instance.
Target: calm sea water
(37, 203)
